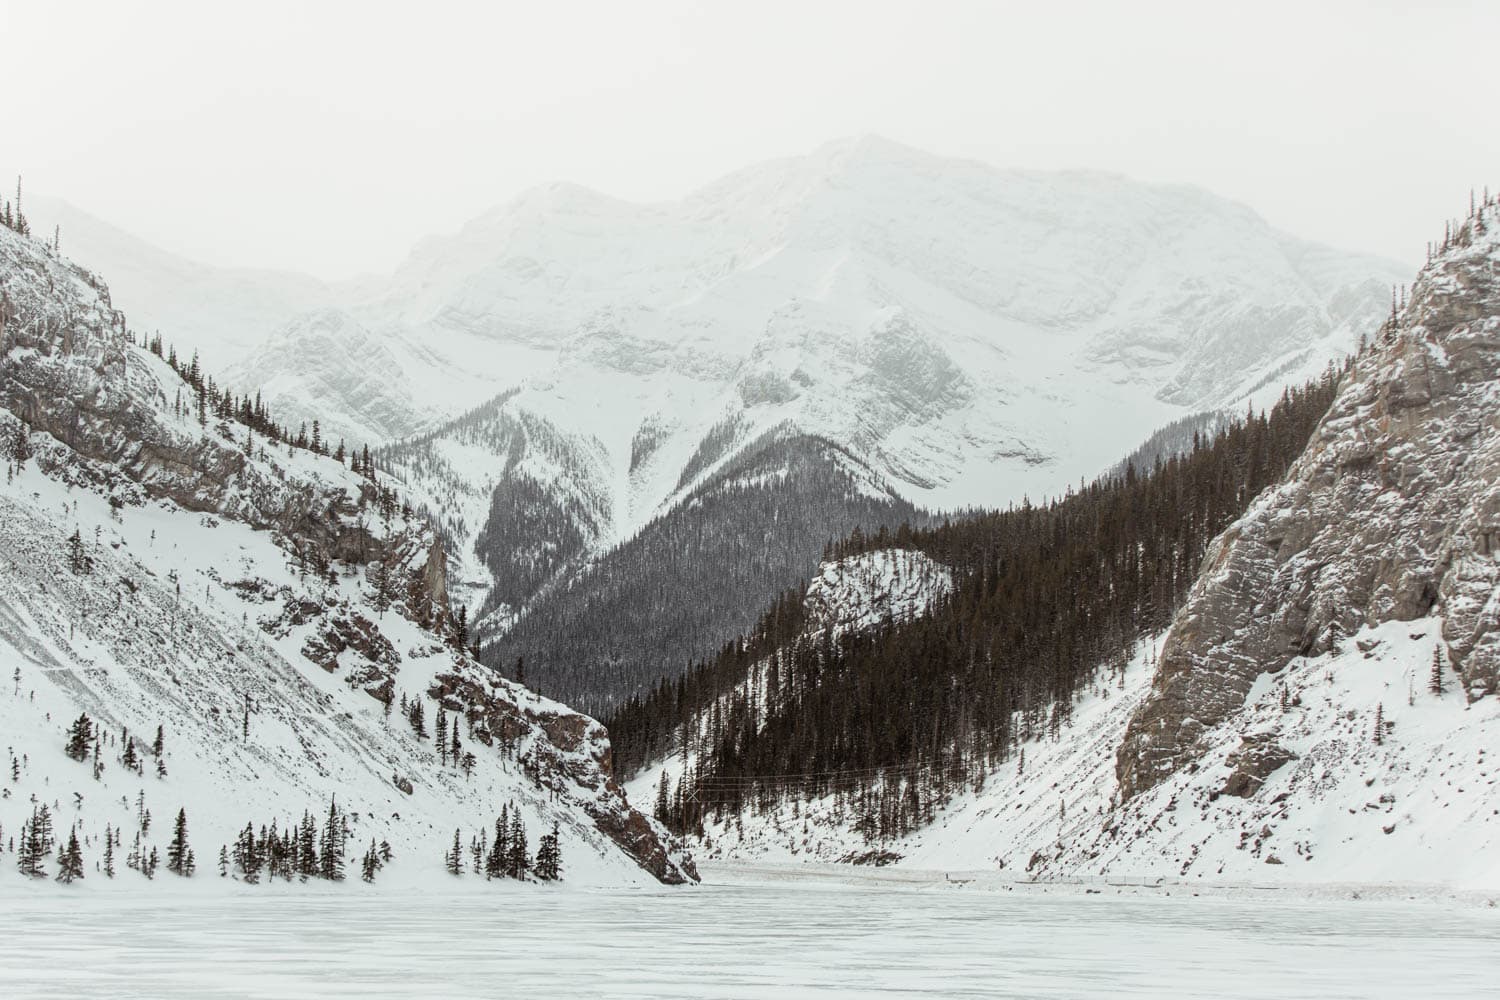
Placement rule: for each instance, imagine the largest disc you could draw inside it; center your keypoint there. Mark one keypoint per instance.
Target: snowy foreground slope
(1423, 805)
(262, 606)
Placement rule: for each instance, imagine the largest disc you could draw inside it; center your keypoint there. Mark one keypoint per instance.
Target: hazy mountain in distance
(224, 313)
(579, 367)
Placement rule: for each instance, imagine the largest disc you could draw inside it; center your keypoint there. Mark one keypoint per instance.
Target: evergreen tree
(371, 863)
(178, 850)
(70, 860)
(663, 797)
(332, 861)
(494, 862)
(78, 559)
(549, 857)
(520, 861)
(247, 855)
(1435, 681)
(35, 843)
(307, 848)
(20, 445)
(454, 859)
(383, 588)
(109, 852)
(80, 738)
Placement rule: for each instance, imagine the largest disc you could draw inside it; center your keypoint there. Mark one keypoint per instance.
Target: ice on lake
(769, 939)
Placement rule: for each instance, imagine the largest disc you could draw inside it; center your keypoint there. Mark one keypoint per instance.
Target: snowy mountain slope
(181, 622)
(853, 594)
(694, 577)
(963, 328)
(1389, 515)
(224, 313)
(1423, 805)
(1323, 704)
(267, 606)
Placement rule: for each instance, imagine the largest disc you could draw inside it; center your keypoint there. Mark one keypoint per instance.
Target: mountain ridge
(263, 603)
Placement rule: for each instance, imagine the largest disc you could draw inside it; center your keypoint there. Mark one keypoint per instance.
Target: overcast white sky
(329, 137)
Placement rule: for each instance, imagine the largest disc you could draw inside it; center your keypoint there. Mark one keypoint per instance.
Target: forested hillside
(1043, 599)
(671, 595)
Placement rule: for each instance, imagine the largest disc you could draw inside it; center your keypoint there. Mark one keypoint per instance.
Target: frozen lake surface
(768, 939)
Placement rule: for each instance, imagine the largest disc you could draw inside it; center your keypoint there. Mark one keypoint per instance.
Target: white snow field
(748, 936)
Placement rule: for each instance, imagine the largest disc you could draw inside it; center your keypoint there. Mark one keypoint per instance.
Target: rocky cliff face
(1392, 514)
(71, 370)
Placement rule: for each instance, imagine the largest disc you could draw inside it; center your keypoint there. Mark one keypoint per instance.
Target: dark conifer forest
(1047, 600)
(692, 578)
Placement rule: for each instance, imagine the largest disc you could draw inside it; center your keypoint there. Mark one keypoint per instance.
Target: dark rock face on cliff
(1392, 513)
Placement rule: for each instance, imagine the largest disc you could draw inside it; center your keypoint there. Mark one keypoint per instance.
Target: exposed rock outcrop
(1392, 513)
(371, 657)
(1257, 759)
(574, 760)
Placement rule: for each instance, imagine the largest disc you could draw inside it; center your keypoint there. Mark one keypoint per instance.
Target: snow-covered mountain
(1390, 515)
(569, 371)
(965, 335)
(1323, 706)
(267, 607)
(973, 332)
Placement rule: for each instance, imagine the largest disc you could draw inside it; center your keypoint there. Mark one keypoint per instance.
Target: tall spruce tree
(80, 738)
(70, 859)
(453, 860)
(178, 850)
(549, 857)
